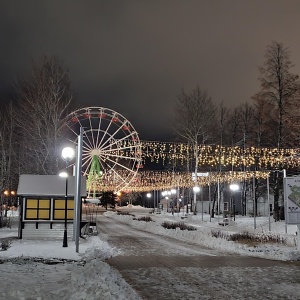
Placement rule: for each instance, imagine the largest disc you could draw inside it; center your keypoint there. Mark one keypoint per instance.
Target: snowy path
(161, 267)
(135, 241)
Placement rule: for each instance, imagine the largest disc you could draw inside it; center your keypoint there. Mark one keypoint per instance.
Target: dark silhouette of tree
(108, 199)
(222, 116)
(277, 108)
(262, 123)
(195, 122)
(234, 127)
(44, 98)
(134, 198)
(246, 112)
(8, 148)
(280, 92)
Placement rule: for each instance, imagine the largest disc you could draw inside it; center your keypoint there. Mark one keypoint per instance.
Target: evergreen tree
(108, 199)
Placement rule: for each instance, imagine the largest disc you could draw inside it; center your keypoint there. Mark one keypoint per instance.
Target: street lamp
(172, 193)
(67, 154)
(234, 187)
(196, 190)
(7, 200)
(148, 195)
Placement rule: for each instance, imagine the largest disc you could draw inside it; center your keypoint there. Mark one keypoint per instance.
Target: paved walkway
(155, 261)
(163, 268)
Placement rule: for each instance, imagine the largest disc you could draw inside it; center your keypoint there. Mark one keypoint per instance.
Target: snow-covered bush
(250, 238)
(180, 225)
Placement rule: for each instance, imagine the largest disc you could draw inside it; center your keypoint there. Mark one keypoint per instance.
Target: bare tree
(8, 141)
(234, 127)
(223, 114)
(131, 198)
(280, 92)
(195, 119)
(43, 101)
(262, 123)
(280, 88)
(8, 162)
(246, 117)
(195, 122)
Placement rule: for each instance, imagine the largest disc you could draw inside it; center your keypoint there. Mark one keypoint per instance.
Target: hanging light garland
(159, 180)
(210, 157)
(165, 180)
(215, 155)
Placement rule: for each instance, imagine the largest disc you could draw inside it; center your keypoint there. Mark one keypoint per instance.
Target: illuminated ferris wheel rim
(109, 136)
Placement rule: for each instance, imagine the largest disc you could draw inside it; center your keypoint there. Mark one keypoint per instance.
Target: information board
(292, 200)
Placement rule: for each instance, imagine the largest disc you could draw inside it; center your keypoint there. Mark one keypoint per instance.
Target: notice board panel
(292, 200)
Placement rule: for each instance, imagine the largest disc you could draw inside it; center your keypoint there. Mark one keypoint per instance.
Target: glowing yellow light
(211, 157)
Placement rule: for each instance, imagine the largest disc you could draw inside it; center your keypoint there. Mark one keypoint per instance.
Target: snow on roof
(48, 185)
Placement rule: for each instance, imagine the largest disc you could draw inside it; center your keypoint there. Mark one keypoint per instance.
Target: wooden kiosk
(43, 205)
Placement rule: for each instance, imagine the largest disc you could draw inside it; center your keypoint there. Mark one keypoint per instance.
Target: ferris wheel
(111, 154)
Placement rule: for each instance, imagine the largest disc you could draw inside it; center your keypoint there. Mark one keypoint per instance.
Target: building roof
(48, 185)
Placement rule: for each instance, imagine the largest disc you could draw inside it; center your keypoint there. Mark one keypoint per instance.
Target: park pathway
(160, 267)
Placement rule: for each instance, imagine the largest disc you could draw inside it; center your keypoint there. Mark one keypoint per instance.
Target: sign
(292, 200)
(199, 175)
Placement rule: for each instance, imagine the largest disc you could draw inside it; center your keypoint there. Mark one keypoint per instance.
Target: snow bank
(97, 280)
(203, 234)
(90, 276)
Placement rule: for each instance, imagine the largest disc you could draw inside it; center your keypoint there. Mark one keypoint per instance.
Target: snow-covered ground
(85, 275)
(44, 269)
(205, 226)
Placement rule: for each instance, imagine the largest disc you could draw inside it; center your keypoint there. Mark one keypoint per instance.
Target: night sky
(136, 56)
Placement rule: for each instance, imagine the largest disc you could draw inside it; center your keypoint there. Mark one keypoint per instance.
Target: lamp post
(1, 210)
(234, 188)
(164, 195)
(196, 190)
(148, 196)
(172, 193)
(67, 154)
(7, 200)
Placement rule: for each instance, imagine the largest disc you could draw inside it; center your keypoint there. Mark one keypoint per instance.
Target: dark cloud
(135, 56)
